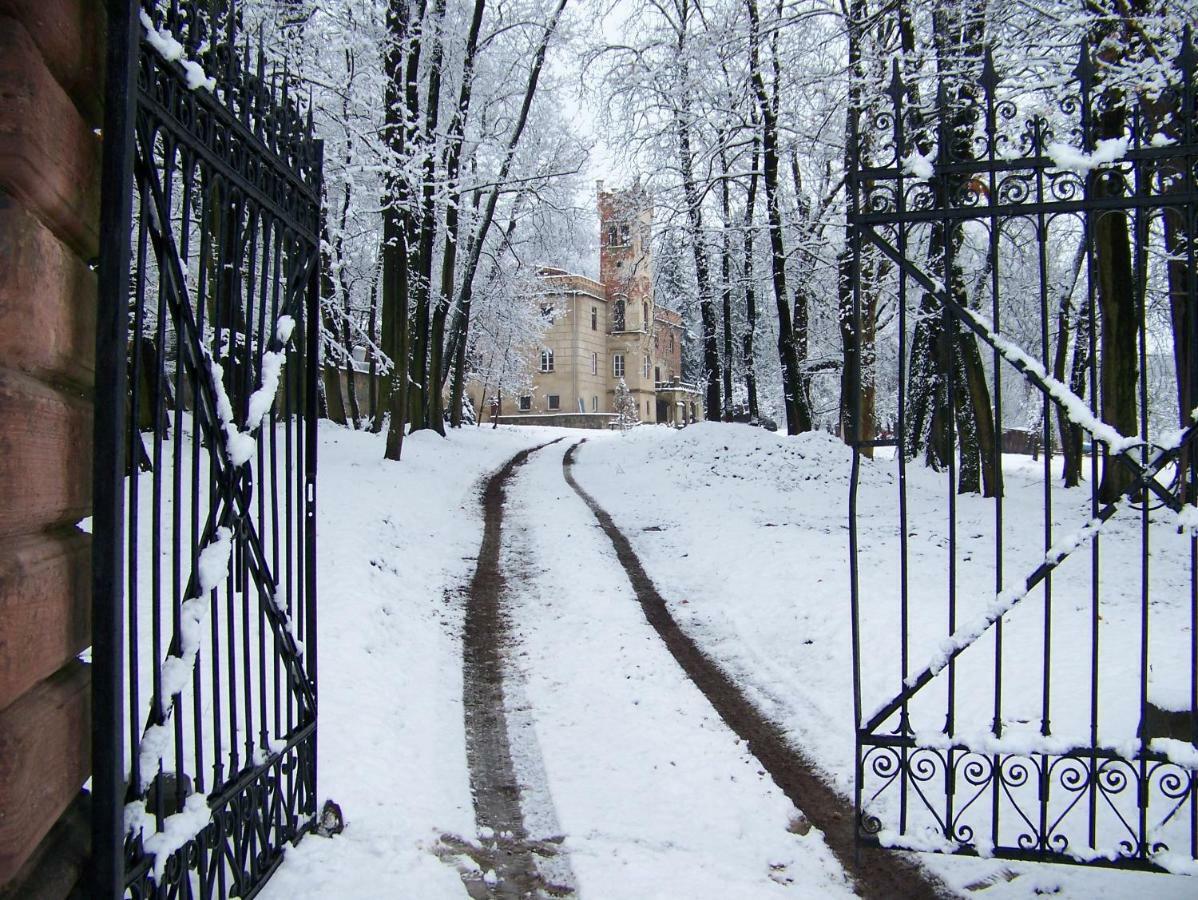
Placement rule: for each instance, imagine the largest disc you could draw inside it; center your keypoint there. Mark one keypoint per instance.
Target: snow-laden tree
(628, 411)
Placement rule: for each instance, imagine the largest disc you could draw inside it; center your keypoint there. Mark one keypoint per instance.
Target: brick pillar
(51, 90)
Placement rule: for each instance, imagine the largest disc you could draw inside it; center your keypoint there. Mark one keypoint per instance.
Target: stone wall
(564, 420)
(51, 98)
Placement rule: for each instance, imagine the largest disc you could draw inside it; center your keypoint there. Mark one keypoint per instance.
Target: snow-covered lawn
(396, 541)
(745, 535)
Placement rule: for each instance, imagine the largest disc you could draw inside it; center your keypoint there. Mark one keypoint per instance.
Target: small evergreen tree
(628, 412)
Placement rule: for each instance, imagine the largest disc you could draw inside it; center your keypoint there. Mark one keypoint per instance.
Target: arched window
(617, 319)
(645, 314)
(546, 360)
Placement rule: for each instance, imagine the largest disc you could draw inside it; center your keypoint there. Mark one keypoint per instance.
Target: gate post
(50, 66)
(112, 333)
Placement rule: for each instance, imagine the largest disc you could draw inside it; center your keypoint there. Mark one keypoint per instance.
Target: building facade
(603, 332)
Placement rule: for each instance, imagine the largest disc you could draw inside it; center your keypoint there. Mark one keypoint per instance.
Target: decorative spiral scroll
(1066, 186)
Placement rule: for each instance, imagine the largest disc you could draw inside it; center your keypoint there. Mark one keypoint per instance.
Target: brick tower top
(625, 257)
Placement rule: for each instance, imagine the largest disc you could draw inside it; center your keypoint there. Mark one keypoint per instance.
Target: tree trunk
(479, 237)
(694, 214)
(726, 279)
(376, 418)
(425, 403)
(1117, 309)
(750, 283)
(1113, 276)
(395, 231)
(798, 416)
(1070, 433)
(453, 155)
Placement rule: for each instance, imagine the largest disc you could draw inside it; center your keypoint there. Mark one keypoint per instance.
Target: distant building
(604, 331)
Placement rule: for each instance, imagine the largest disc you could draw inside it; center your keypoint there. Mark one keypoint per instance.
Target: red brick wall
(51, 90)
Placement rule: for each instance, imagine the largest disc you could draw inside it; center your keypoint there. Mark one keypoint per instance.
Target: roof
(562, 282)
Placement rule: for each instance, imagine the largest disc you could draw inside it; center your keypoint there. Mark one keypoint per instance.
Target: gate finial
(1187, 58)
(896, 87)
(989, 73)
(1084, 70)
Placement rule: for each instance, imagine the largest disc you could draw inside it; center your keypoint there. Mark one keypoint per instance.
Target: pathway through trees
(507, 852)
(876, 873)
(577, 712)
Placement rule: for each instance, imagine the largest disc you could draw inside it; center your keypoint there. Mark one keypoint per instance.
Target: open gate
(204, 531)
(1026, 663)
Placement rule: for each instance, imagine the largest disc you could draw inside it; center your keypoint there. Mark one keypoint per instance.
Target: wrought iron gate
(204, 530)
(1018, 693)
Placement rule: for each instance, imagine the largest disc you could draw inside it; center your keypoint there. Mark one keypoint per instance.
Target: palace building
(604, 331)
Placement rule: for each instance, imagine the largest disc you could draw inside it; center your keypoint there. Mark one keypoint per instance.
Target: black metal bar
(108, 470)
(313, 362)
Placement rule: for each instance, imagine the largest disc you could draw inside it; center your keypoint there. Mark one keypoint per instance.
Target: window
(647, 365)
(526, 403)
(546, 360)
(555, 401)
(647, 413)
(617, 365)
(617, 320)
(645, 315)
(657, 373)
(594, 363)
(546, 310)
(594, 404)
(671, 342)
(624, 235)
(594, 318)
(611, 236)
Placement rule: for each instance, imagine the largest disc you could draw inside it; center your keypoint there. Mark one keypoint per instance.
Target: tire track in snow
(875, 873)
(507, 849)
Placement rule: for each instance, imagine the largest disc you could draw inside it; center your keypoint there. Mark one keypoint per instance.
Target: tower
(626, 271)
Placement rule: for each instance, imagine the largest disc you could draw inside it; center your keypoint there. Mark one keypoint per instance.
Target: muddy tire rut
(506, 852)
(875, 873)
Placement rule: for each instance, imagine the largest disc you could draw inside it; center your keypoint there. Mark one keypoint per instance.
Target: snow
(744, 533)
(398, 540)
(264, 397)
(1187, 519)
(239, 445)
(177, 830)
(283, 328)
(685, 810)
(1071, 159)
(919, 166)
(172, 51)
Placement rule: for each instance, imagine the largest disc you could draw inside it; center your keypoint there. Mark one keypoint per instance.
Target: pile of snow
(714, 451)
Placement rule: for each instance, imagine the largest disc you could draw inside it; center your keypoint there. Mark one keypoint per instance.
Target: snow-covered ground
(745, 535)
(396, 542)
